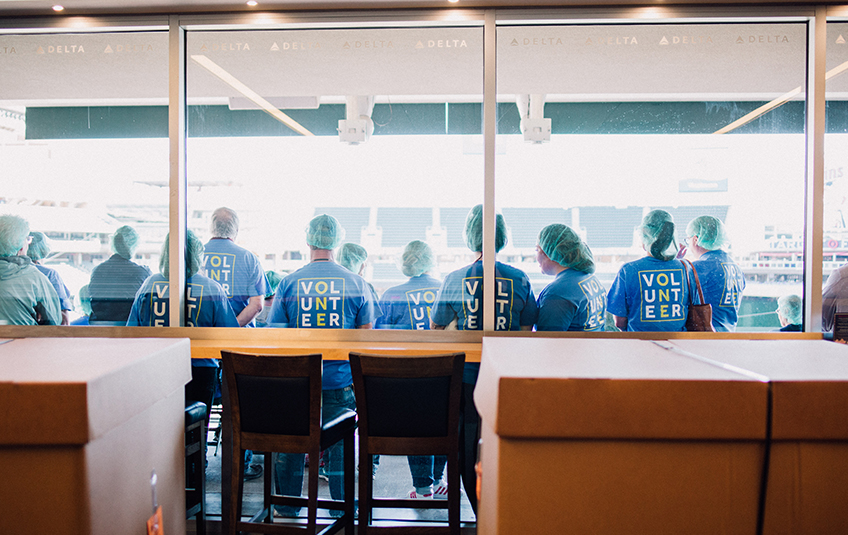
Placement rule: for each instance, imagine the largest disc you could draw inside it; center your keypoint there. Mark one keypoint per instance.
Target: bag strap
(697, 281)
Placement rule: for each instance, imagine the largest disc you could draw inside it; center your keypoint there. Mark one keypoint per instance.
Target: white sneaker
(424, 494)
(440, 492)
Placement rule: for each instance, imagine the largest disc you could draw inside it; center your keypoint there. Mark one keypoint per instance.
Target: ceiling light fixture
(453, 1)
(252, 3)
(57, 7)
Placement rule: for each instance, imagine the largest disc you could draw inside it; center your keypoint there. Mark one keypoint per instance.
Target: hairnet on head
(274, 280)
(38, 247)
(225, 223)
(417, 258)
(791, 308)
(709, 230)
(352, 256)
(564, 246)
(657, 231)
(85, 300)
(125, 242)
(13, 234)
(324, 232)
(193, 254)
(473, 232)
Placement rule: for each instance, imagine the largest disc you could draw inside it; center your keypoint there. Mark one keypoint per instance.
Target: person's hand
(681, 251)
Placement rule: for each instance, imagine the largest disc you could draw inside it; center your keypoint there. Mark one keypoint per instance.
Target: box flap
(73, 390)
(580, 388)
(810, 381)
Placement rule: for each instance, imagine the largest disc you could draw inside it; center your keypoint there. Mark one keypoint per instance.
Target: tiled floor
(392, 480)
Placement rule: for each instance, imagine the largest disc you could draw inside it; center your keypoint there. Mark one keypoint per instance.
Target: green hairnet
(657, 232)
(417, 259)
(791, 308)
(125, 242)
(564, 246)
(193, 254)
(473, 232)
(85, 300)
(709, 230)
(38, 247)
(352, 256)
(324, 232)
(274, 280)
(13, 234)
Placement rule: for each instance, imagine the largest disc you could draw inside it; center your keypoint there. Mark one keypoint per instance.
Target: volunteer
(575, 300)
(721, 279)
(651, 294)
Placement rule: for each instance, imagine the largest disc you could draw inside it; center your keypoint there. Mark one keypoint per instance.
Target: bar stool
(195, 452)
(408, 405)
(274, 403)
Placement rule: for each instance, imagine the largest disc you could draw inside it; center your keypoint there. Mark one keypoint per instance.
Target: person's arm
(253, 308)
(620, 322)
(66, 320)
(526, 327)
(434, 327)
(364, 326)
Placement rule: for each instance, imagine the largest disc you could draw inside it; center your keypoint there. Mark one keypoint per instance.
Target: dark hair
(663, 241)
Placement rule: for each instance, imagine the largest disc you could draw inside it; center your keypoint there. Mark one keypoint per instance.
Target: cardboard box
(615, 437)
(84, 424)
(807, 489)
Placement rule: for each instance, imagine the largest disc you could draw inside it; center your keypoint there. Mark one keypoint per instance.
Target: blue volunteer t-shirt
(722, 283)
(461, 297)
(652, 294)
(324, 295)
(206, 306)
(408, 305)
(236, 269)
(573, 301)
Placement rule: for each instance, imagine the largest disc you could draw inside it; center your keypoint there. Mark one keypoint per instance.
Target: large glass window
(598, 125)
(379, 128)
(835, 224)
(84, 152)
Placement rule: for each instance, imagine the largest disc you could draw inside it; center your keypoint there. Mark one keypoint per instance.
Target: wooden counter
(83, 423)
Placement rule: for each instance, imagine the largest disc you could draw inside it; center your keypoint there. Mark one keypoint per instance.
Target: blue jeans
(426, 469)
(288, 467)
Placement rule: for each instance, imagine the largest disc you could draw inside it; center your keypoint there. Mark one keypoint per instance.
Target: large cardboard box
(807, 489)
(616, 437)
(83, 424)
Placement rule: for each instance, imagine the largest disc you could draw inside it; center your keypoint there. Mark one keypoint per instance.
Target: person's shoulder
(510, 271)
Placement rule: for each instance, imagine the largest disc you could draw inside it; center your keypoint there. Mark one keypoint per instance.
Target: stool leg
(312, 492)
(349, 482)
(453, 492)
(201, 482)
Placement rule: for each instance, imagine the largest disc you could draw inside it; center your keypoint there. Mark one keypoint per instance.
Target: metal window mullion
(177, 170)
(489, 134)
(814, 204)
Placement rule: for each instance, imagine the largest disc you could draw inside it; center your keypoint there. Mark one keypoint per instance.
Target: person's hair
(274, 280)
(417, 258)
(324, 232)
(38, 247)
(791, 307)
(657, 232)
(473, 232)
(13, 234)
(564, 246)
(85, 300)
(709, 230)
(352, 256)
(193, 255)
(125, 242)
(225, 223)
